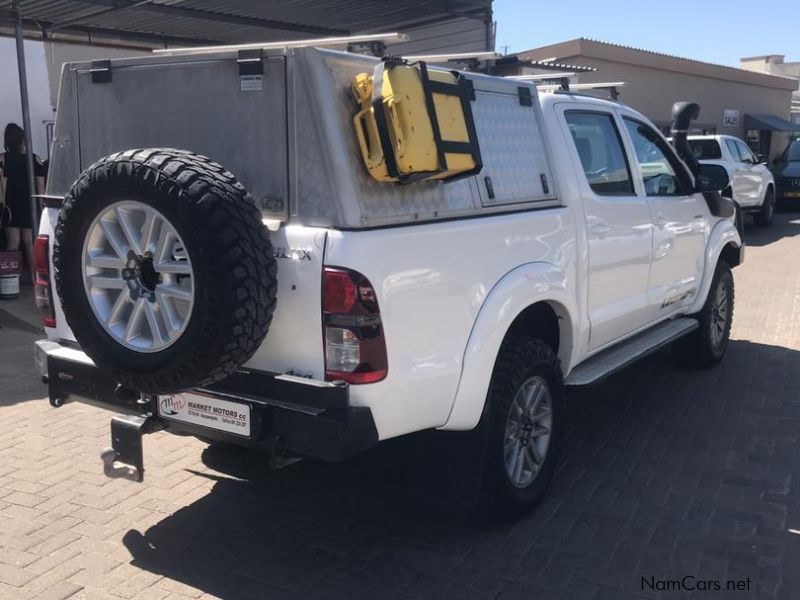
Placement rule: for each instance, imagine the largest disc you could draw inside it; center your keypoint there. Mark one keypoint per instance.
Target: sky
(718, 31)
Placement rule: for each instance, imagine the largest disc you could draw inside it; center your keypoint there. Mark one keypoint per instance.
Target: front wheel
(707, 344)
(526, 422)
(766, 213)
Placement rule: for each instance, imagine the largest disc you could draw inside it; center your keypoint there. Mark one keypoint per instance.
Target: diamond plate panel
(333, 184)
(513, 150)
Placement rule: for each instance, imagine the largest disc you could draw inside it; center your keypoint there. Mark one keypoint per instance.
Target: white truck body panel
(432, 282)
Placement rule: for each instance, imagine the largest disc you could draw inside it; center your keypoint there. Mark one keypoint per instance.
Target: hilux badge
(291, 253)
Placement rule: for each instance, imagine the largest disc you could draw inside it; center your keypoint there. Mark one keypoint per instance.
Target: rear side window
(599, 147)
(705, 149)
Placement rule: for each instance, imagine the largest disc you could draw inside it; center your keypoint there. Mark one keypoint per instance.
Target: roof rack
(611, 86)
(329, 41)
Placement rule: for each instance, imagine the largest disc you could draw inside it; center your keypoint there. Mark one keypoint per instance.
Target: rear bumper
(290, 414)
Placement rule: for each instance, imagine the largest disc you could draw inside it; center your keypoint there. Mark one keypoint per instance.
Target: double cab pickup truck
(308, 252)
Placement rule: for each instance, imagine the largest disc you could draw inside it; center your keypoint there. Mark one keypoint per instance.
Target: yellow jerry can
(416, 124)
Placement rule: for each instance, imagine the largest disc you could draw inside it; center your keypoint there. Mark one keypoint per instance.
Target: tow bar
(125, 459)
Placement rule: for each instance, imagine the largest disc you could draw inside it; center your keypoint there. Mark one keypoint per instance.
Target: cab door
(680, 221)
(754, 173)
(618, 226)
(744, 187)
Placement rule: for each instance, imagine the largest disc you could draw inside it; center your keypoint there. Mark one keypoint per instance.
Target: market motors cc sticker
(172, 405)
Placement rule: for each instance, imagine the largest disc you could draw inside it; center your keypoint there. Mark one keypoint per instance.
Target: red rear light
(355, 348)
(41, 284)
(339, 294)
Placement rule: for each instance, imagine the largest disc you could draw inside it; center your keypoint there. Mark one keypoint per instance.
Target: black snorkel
(683, 113)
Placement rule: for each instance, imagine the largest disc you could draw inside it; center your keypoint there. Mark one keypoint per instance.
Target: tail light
(355, 349)
(41, 284)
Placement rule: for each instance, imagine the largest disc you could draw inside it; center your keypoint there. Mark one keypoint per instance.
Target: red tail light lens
(355, 348)
(339, 293)
(42, 292)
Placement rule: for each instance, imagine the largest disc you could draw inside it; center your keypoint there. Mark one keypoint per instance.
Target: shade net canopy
(192, 22)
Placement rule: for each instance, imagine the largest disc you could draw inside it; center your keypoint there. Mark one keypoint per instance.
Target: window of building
(599, 147)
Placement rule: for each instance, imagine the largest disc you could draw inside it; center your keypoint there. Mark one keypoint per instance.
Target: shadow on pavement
(785, 224)
(665, 471)
(19, 380)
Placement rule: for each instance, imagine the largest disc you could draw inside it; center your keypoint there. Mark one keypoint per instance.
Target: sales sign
(730, 118)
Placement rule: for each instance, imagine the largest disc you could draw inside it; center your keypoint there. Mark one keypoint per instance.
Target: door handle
(599, 229)
(659, 221)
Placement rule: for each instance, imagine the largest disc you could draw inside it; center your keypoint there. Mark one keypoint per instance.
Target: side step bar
(607, 362)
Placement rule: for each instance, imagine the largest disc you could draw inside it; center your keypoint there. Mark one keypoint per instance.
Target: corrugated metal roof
(225, 21)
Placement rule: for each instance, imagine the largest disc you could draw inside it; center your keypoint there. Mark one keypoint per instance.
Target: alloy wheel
(138, 276)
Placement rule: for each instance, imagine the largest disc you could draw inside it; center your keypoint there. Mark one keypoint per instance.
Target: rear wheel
(526, 421)
(707, 344)
(766, 213)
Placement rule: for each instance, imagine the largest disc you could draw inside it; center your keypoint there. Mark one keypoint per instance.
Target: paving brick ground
(666, 473)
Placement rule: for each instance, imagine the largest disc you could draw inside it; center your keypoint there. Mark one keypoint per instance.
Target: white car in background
(752, 185)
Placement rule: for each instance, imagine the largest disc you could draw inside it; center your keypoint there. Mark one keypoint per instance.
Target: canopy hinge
(101, 71)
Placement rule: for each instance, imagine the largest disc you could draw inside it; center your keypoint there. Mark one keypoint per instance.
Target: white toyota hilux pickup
(373, 248)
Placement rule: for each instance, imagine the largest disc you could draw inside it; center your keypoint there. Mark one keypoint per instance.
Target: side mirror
(763, 159)
(711, 178)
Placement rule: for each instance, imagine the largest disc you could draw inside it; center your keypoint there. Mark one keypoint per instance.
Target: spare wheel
(164, 269)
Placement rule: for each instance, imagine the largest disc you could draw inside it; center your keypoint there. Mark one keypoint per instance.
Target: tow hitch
(125, 457)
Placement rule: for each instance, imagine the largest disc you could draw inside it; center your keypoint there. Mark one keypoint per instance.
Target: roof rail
(541, 76)
(329, 41)
(453, 57)
(587, 86)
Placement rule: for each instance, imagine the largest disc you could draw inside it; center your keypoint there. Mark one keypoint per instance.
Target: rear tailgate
(294, 342)
(240, 123)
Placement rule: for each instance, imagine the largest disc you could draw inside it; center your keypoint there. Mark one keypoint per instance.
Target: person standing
(15, 191)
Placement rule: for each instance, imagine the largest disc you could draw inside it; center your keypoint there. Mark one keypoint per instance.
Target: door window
(661, 170)
(745, 153)
(599, 147)
(734, 150)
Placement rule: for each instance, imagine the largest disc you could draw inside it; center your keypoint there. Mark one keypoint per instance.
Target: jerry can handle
(397, 126)
(368, 142)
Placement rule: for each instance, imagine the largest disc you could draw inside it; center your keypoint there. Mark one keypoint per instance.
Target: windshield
(705, 149)
(792, 152)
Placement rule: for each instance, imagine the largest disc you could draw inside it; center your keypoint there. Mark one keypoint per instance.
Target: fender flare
(520, 288)
(723, 233)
